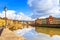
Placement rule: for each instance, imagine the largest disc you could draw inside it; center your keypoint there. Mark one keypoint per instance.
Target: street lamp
(5, 10)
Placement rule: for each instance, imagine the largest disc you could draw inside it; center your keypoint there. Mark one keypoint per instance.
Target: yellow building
(9, 23)
(56, 20)
(38, 21)
(2, 22)
(17, 24)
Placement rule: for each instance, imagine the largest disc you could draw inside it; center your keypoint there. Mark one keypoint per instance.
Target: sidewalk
(10, 35)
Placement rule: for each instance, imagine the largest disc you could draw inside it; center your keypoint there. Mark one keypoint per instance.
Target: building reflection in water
(46, 30)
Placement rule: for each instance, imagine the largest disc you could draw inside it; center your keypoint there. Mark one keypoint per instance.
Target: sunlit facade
(49, 20)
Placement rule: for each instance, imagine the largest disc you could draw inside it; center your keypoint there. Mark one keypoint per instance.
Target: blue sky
(17, 5)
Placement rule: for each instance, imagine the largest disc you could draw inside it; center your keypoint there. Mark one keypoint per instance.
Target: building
(9, 23)
(43, 21)
(2, 22)
(38, 21)
(49, 20)
(56, 20)
(53, 20)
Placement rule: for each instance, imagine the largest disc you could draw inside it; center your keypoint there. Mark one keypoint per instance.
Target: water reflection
(31, 34)
(46, 30)
(38, 33)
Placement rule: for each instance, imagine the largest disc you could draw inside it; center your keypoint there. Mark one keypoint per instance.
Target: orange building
(50, 19)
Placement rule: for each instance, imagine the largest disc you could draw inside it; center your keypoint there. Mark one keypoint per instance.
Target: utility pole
(5, 10)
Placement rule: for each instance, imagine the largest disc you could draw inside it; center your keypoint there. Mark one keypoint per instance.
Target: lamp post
(5, 10)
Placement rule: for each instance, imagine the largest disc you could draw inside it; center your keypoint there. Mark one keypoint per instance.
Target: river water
(46, 30)
(39, 33)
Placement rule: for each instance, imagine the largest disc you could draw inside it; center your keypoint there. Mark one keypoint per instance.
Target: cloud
(22, 16)
(56, 37)
(43, 7)
(11, 14)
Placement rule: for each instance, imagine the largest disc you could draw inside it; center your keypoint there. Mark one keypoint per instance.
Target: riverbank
(47, 25)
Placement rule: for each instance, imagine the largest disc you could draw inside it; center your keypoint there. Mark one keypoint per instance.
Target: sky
(16, 9)
(29, 9)
(44, 8)
(17, 5)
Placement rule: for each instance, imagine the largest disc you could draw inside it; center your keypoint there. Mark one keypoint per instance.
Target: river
(39, 33)
(46, 30)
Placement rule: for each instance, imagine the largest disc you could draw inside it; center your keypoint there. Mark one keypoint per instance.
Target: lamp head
(5, 8)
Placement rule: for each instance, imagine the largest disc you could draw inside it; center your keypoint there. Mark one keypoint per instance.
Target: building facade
(49, 20)
(43, 21)
(38, 21)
